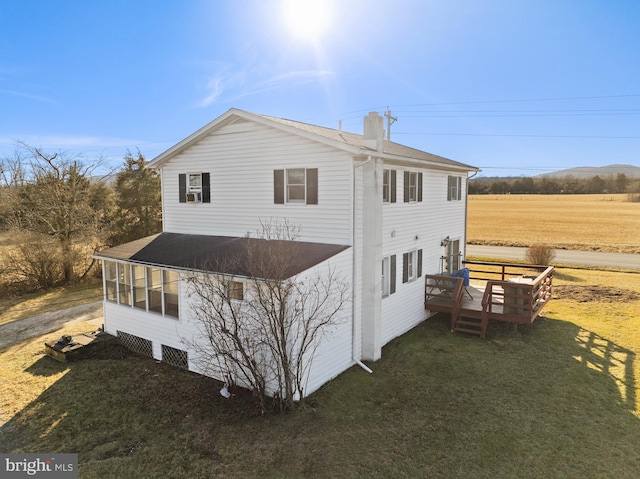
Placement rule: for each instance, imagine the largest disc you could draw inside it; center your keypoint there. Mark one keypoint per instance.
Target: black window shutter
(419, 186)
(405, 267)
(419, 263)
(278, 187)
(182, 187)
(406, 187)
(312, 186)
(449, 188)
(459, 188)
(392, 275)
(393, 186)
(206, 188)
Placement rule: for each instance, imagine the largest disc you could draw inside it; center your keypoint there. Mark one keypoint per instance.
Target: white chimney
(374, 131)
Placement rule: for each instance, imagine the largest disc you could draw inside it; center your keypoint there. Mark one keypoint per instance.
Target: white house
(381, 213)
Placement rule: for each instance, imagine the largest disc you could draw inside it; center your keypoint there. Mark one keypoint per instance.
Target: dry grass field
(579, 222)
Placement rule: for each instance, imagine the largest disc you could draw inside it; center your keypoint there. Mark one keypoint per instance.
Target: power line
(519, 135)
(527, 100)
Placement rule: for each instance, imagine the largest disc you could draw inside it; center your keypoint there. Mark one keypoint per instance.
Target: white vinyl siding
(241, 158)
(412, 226)
(332, 357)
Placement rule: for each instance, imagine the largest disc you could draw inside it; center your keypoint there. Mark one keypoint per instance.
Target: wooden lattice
(175, 357)
(136, 344)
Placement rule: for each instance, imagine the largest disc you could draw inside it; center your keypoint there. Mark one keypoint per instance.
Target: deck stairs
(515, 294)
(469, 325)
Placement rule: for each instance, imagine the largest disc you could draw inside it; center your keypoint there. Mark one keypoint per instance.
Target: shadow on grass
(551, 401)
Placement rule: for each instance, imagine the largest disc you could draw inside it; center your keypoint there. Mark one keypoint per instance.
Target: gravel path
(584, 258)
(23, 329)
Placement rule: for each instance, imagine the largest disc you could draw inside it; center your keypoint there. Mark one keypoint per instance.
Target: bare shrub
(35, 261)
(264, 337)
(540, 253)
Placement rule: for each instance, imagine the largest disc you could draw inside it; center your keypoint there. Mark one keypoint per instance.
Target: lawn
(555, 400)
(25, 306)
(562, 221)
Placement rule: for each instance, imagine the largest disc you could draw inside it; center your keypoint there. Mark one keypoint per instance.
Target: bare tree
(52, 198)
(264, 336)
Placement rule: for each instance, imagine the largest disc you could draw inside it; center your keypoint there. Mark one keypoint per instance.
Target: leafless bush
(541, 254)
(35, 261)
(263, 333)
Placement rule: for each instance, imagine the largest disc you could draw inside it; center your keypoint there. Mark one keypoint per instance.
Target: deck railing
(513, 292)
(521, 294)
(444, 293)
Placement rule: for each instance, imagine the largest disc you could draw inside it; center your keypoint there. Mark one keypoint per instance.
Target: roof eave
(417, 162)
(228, 117)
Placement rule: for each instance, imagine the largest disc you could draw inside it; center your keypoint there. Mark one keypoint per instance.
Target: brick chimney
(374, 131)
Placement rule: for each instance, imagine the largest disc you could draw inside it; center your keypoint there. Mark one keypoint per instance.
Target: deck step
(468, 325)
(467, 330)
(467, 322)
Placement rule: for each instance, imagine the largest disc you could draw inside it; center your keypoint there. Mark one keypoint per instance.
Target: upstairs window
(412, 186)
(454, 188)
(389, 186)
(195, 183)
(194, 188)
(295, 185)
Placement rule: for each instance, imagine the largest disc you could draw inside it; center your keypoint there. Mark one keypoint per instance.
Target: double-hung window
(389, 186)
(195, 183)
(454, 188)
(235, 290)
(124, 283)
(388, 275)
(154, 289)
(111, 281)
(194, 187)
(411, 265)
(295, 186)
(412, 186)
(170, 288)
(139, 287)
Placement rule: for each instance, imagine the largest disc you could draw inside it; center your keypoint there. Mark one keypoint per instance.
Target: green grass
(555, 400)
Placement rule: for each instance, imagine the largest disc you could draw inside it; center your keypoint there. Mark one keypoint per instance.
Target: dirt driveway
(18, 331)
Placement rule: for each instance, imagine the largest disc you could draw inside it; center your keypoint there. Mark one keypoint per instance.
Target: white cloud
(235, 85)
(28, 95)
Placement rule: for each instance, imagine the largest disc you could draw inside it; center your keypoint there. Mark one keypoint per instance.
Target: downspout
(466, 212)
(353, 270)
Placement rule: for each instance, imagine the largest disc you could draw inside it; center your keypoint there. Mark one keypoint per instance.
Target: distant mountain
(591, 171)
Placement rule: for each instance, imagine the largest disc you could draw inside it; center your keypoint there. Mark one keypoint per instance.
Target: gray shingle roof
(351, 142)
(220, 254)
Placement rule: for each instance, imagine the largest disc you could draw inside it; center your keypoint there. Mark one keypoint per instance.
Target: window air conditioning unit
(193, 198)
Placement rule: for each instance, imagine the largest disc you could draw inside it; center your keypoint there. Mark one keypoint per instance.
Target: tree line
(55, 213)
(619, 183)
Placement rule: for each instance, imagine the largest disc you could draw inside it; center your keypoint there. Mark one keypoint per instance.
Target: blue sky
(514, 87)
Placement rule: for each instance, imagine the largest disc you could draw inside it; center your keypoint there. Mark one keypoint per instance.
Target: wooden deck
(507, 292)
